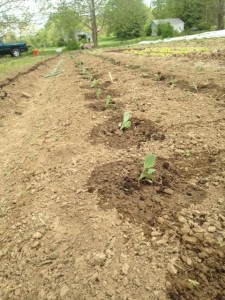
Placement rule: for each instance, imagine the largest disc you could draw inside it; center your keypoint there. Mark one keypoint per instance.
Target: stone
(181, 219)
(189, 239)
(37, 235)
(141, 205)
(185, 229)
(125, 268)
(98, 259)
(203, 255)
(64, 291)
(156, 233)
(26, 95)
(211, 229)
(137, 282)
(172, 269)
(17, 292)
(168, 191)
(125, 281)
(160, 220)
(179, 151)
(221, 201)
(41, 295)
(35, 244)
(186, 260)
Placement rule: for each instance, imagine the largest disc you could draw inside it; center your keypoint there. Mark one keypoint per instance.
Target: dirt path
(74, 223)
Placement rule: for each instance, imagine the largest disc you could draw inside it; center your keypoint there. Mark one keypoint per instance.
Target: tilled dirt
(140, 131)
(92, 94)
(175, 186)
(75, 221)
(100, 106)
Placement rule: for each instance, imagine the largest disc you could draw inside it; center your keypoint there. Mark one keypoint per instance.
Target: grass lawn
(114, 42)
(10, 64)
(111, 41)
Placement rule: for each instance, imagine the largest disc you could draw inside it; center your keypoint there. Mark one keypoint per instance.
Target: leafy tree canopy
(195, 13)
(126, 18)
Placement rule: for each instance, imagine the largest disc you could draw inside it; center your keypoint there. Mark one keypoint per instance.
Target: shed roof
(171, 21)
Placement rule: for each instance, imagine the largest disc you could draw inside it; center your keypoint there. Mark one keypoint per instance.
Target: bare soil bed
(75, 221)
(110, 133)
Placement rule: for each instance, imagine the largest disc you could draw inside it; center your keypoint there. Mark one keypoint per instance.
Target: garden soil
(75, 222)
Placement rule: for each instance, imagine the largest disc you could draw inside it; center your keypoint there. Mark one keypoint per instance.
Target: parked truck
(14, 49)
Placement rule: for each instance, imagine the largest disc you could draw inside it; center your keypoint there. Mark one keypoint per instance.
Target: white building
(83, 35)
(177, 24)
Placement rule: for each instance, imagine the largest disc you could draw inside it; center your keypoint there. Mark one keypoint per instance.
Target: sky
(147, 2)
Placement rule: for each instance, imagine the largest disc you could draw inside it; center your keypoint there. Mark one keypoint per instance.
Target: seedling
(78, 64)
(83, 70)
(126, 121)
(88, 75)
(192, 284)
(194, 86)
(158, 76)
(187, 152)
(98, 93)
(200, 69)
(142, 68)
(109, 103)
(94, 83)
(173, 82)
(148, 170)
(146, 75)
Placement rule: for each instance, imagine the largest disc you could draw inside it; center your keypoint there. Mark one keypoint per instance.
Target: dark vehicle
(14, 49)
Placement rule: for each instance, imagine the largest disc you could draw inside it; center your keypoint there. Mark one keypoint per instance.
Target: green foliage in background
(126, 18)
(165, 30)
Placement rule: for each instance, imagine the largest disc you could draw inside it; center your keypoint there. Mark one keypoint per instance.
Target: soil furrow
(75, 221)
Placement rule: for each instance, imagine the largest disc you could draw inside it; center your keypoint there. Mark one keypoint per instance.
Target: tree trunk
(94, 24)
(220, 14)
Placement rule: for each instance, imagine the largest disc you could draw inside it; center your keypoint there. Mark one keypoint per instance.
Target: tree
(62, 24)
(126, 18)
(17, 15)
(90, 14)
(9, 20)
(195, 13)
(220, 14)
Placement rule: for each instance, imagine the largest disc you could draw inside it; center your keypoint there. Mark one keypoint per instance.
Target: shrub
(129, 32)
(72, 45)
(204, 26)
(60, 42)
(165, 30)
(148, 29)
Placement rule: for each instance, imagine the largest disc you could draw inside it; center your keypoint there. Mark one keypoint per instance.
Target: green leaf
(94, 83)
(151, 171)
(108, 101)
(142, 176)
(126, 117)
(98, 93)
(149, 161)
(145, 175)
(126, 125)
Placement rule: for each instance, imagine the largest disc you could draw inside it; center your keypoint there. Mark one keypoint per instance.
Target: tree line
(123, 18)
(202, 14)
